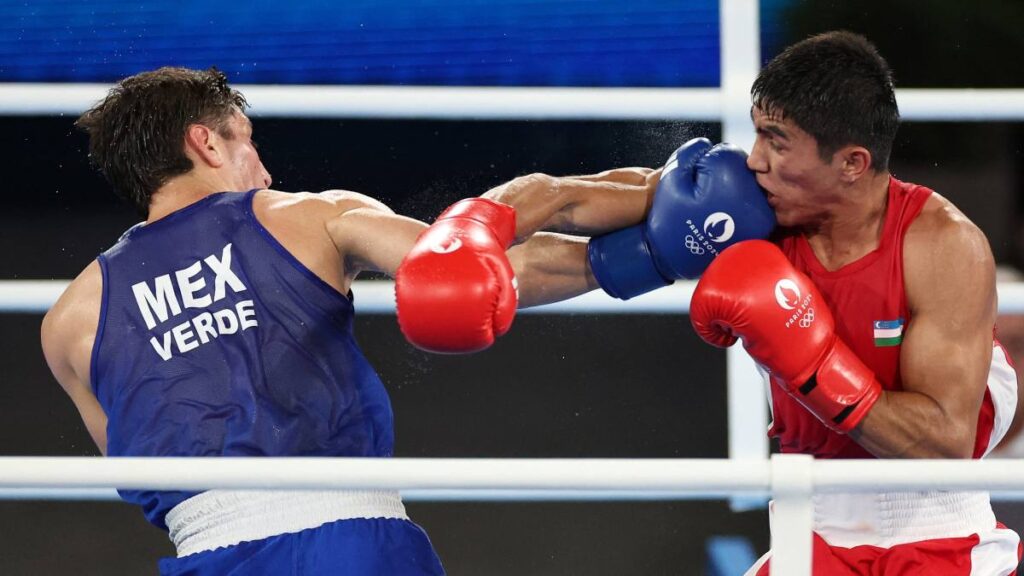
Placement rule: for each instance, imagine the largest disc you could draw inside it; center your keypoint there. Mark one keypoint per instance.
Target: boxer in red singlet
(872, 314)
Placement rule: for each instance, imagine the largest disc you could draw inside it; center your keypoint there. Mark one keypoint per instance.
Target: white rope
(458, 102)
(962, 104)
(475, 495)
(378, 297)
(502, 103)
(627, 478)
(790, 479)
(30, 295)
(707, 478)
(428, 495)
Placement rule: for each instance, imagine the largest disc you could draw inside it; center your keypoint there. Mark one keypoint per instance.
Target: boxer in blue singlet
(222, 325)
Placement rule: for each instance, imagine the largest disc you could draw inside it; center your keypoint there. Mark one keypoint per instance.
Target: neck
(854, 227)
(182, 191)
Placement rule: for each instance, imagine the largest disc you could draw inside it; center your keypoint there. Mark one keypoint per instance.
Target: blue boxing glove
(707, 200)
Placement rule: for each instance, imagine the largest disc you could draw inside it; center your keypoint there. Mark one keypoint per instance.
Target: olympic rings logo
(693, 246)
(808, 318)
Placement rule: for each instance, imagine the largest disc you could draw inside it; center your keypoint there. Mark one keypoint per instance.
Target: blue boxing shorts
(304, 533)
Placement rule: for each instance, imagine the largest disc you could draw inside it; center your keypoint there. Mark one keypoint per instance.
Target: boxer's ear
(204, 144)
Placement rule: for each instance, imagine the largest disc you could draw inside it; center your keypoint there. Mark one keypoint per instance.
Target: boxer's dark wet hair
(136, 134)
(837, 88)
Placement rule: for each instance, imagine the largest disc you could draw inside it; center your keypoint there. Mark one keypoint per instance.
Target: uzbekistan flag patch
(888, 332)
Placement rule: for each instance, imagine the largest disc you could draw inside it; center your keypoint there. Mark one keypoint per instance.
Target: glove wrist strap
(623, 265)
(842, 391)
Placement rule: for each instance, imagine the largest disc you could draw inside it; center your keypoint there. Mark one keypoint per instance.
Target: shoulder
(326, 204)
(310, 227)
(76, 312)
(942, 228)
(945, 251)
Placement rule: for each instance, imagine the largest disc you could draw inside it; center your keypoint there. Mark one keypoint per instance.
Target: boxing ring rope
(378, 297)
(505, 479)
(791, 480)
(510, 103)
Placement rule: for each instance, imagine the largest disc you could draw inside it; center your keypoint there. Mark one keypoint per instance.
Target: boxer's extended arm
(369, 236)
(456, 290)
(635, 175)
(574, 205)
(551, 267)
(67, 334)
(949, 276)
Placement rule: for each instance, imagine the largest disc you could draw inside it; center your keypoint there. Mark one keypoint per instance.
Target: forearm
(913, 425)
(551, 267)
(572, 205)
(636, 176)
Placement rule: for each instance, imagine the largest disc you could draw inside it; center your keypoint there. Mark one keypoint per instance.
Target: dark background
(556, 386)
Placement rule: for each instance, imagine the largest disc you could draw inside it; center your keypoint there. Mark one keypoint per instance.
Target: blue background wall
(451, 42)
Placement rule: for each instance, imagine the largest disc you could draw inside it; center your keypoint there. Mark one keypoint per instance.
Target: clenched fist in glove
(706, 200)
(752, 292)
(455, 290)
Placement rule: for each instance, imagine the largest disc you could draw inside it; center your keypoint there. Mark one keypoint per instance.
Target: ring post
(792, 514)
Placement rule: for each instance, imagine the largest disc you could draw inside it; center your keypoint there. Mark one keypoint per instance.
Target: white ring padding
(378, 297)
(509, 103)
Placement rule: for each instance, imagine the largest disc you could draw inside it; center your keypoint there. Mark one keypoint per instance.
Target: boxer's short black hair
(837, 88)
(136, 134)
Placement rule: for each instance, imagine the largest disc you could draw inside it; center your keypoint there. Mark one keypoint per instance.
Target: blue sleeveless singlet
(215, 341)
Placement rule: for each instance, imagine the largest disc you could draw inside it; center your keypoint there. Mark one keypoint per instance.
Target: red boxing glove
(751, 291)
(455, 290)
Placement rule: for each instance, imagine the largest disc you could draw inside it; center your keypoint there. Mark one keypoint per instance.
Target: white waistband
(219, 518)
(886, 519)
